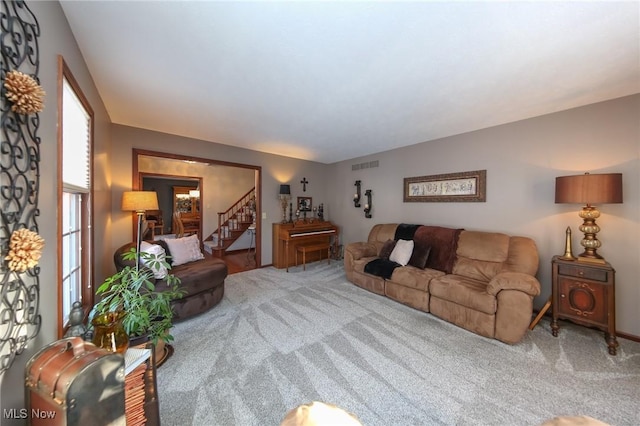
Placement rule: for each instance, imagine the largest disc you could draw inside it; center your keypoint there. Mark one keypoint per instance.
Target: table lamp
(589, 190)
(139, 202)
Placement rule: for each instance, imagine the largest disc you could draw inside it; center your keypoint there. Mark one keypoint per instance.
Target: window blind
(76, 137)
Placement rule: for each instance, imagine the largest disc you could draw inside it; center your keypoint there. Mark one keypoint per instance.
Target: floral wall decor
(20, 244)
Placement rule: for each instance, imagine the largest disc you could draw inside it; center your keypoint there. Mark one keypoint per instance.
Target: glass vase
(109, 332)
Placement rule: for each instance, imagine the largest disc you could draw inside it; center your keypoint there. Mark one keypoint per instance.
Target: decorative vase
(109, 332)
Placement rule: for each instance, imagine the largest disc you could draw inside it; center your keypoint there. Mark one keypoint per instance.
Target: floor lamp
(139, 202)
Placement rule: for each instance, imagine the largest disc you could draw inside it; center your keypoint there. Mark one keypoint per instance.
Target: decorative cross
(304, 183)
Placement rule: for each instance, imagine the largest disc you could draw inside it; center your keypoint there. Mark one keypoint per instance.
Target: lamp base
(590, 242)
(597, 260)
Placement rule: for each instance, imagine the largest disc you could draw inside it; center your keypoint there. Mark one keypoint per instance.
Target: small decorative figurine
(76, 321)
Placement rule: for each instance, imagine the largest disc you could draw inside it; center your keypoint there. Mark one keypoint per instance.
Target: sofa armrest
(361, 250)
(514, 281)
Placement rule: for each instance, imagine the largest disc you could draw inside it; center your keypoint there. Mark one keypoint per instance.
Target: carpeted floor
(281, 339)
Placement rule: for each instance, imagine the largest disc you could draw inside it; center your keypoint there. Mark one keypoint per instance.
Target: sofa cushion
(420, 255)
(412, 277)
(402, 252)
(184, 250)
(481, 254)
(159, 271)
(196, 277)
(381, 233)
(464, 291)
(386, 249)
(484, 246)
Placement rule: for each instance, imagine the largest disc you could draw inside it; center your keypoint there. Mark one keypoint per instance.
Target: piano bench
(304, 249)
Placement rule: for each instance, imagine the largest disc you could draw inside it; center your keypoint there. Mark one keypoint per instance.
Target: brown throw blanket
(443, 243)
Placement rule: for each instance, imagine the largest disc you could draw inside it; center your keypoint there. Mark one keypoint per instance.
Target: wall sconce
(356, 196)
(285, 195)
(589, 189)
(368, 205)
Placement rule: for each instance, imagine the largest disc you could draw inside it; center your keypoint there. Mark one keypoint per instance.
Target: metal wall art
(20, 244)
(369, 204)
(464, 186)
(357, 195)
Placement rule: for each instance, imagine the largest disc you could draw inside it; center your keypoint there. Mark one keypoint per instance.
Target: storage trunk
(73, 382)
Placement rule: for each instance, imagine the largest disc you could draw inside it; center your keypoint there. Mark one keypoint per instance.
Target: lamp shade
(285, 190)
(139, 201)
(588, 189)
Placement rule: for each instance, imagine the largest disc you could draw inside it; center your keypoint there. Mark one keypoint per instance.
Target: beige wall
(522, 160)
(56, 38)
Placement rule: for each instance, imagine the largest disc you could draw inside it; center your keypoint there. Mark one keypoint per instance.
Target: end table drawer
(583, 272)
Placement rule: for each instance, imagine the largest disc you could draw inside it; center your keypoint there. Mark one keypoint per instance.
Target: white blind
(75, 142)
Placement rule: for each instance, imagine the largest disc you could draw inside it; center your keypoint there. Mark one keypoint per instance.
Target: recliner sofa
(482, 281)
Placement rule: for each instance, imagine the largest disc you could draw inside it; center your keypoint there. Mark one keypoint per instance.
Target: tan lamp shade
(588, 189)
(139, 201)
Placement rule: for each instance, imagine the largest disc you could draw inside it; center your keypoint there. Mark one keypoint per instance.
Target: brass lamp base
(599, 261)
(590, 242)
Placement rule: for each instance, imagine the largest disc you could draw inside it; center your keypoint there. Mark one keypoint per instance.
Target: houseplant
(132, 292)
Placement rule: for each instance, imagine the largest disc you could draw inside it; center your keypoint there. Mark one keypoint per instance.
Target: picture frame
(304, 204)
(451, 187)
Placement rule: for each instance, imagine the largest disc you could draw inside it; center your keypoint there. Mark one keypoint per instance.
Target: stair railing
(232, 212)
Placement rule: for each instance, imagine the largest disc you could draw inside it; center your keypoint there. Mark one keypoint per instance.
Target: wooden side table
(584, 293)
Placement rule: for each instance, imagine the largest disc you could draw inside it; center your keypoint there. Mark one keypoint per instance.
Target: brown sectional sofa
(482, 281)
(202, 280)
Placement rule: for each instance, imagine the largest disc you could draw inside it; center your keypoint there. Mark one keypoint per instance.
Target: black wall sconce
(368, 205)
(356, 196)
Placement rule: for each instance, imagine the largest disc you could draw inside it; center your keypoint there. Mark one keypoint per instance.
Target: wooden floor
(239, 261)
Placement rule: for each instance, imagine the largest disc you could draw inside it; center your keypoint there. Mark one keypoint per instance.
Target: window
(75, 144)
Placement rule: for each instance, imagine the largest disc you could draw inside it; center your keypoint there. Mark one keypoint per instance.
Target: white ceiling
(329, 81)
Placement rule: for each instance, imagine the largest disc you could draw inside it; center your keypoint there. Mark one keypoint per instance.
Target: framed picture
(451, 187)
(304, 204)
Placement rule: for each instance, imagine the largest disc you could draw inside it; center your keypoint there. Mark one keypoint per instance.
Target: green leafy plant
(133, 291)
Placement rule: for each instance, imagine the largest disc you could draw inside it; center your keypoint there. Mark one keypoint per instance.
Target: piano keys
(287, 236)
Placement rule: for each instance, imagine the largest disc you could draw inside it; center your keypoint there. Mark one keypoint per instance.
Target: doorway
(218, 183)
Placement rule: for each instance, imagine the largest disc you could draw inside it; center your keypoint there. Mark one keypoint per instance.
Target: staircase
(232, 223)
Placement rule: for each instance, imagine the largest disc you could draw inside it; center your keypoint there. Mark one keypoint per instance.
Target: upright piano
(287, 236)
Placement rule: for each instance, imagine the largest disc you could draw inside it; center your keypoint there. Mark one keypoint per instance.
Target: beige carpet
(281, 339)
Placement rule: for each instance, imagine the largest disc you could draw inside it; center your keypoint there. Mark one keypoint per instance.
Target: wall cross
(304, 183)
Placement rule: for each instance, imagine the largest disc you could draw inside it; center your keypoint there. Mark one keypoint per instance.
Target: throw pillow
(402, 252)
(420, 255)
(157, 253)
(386, 249)
(184, 250)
